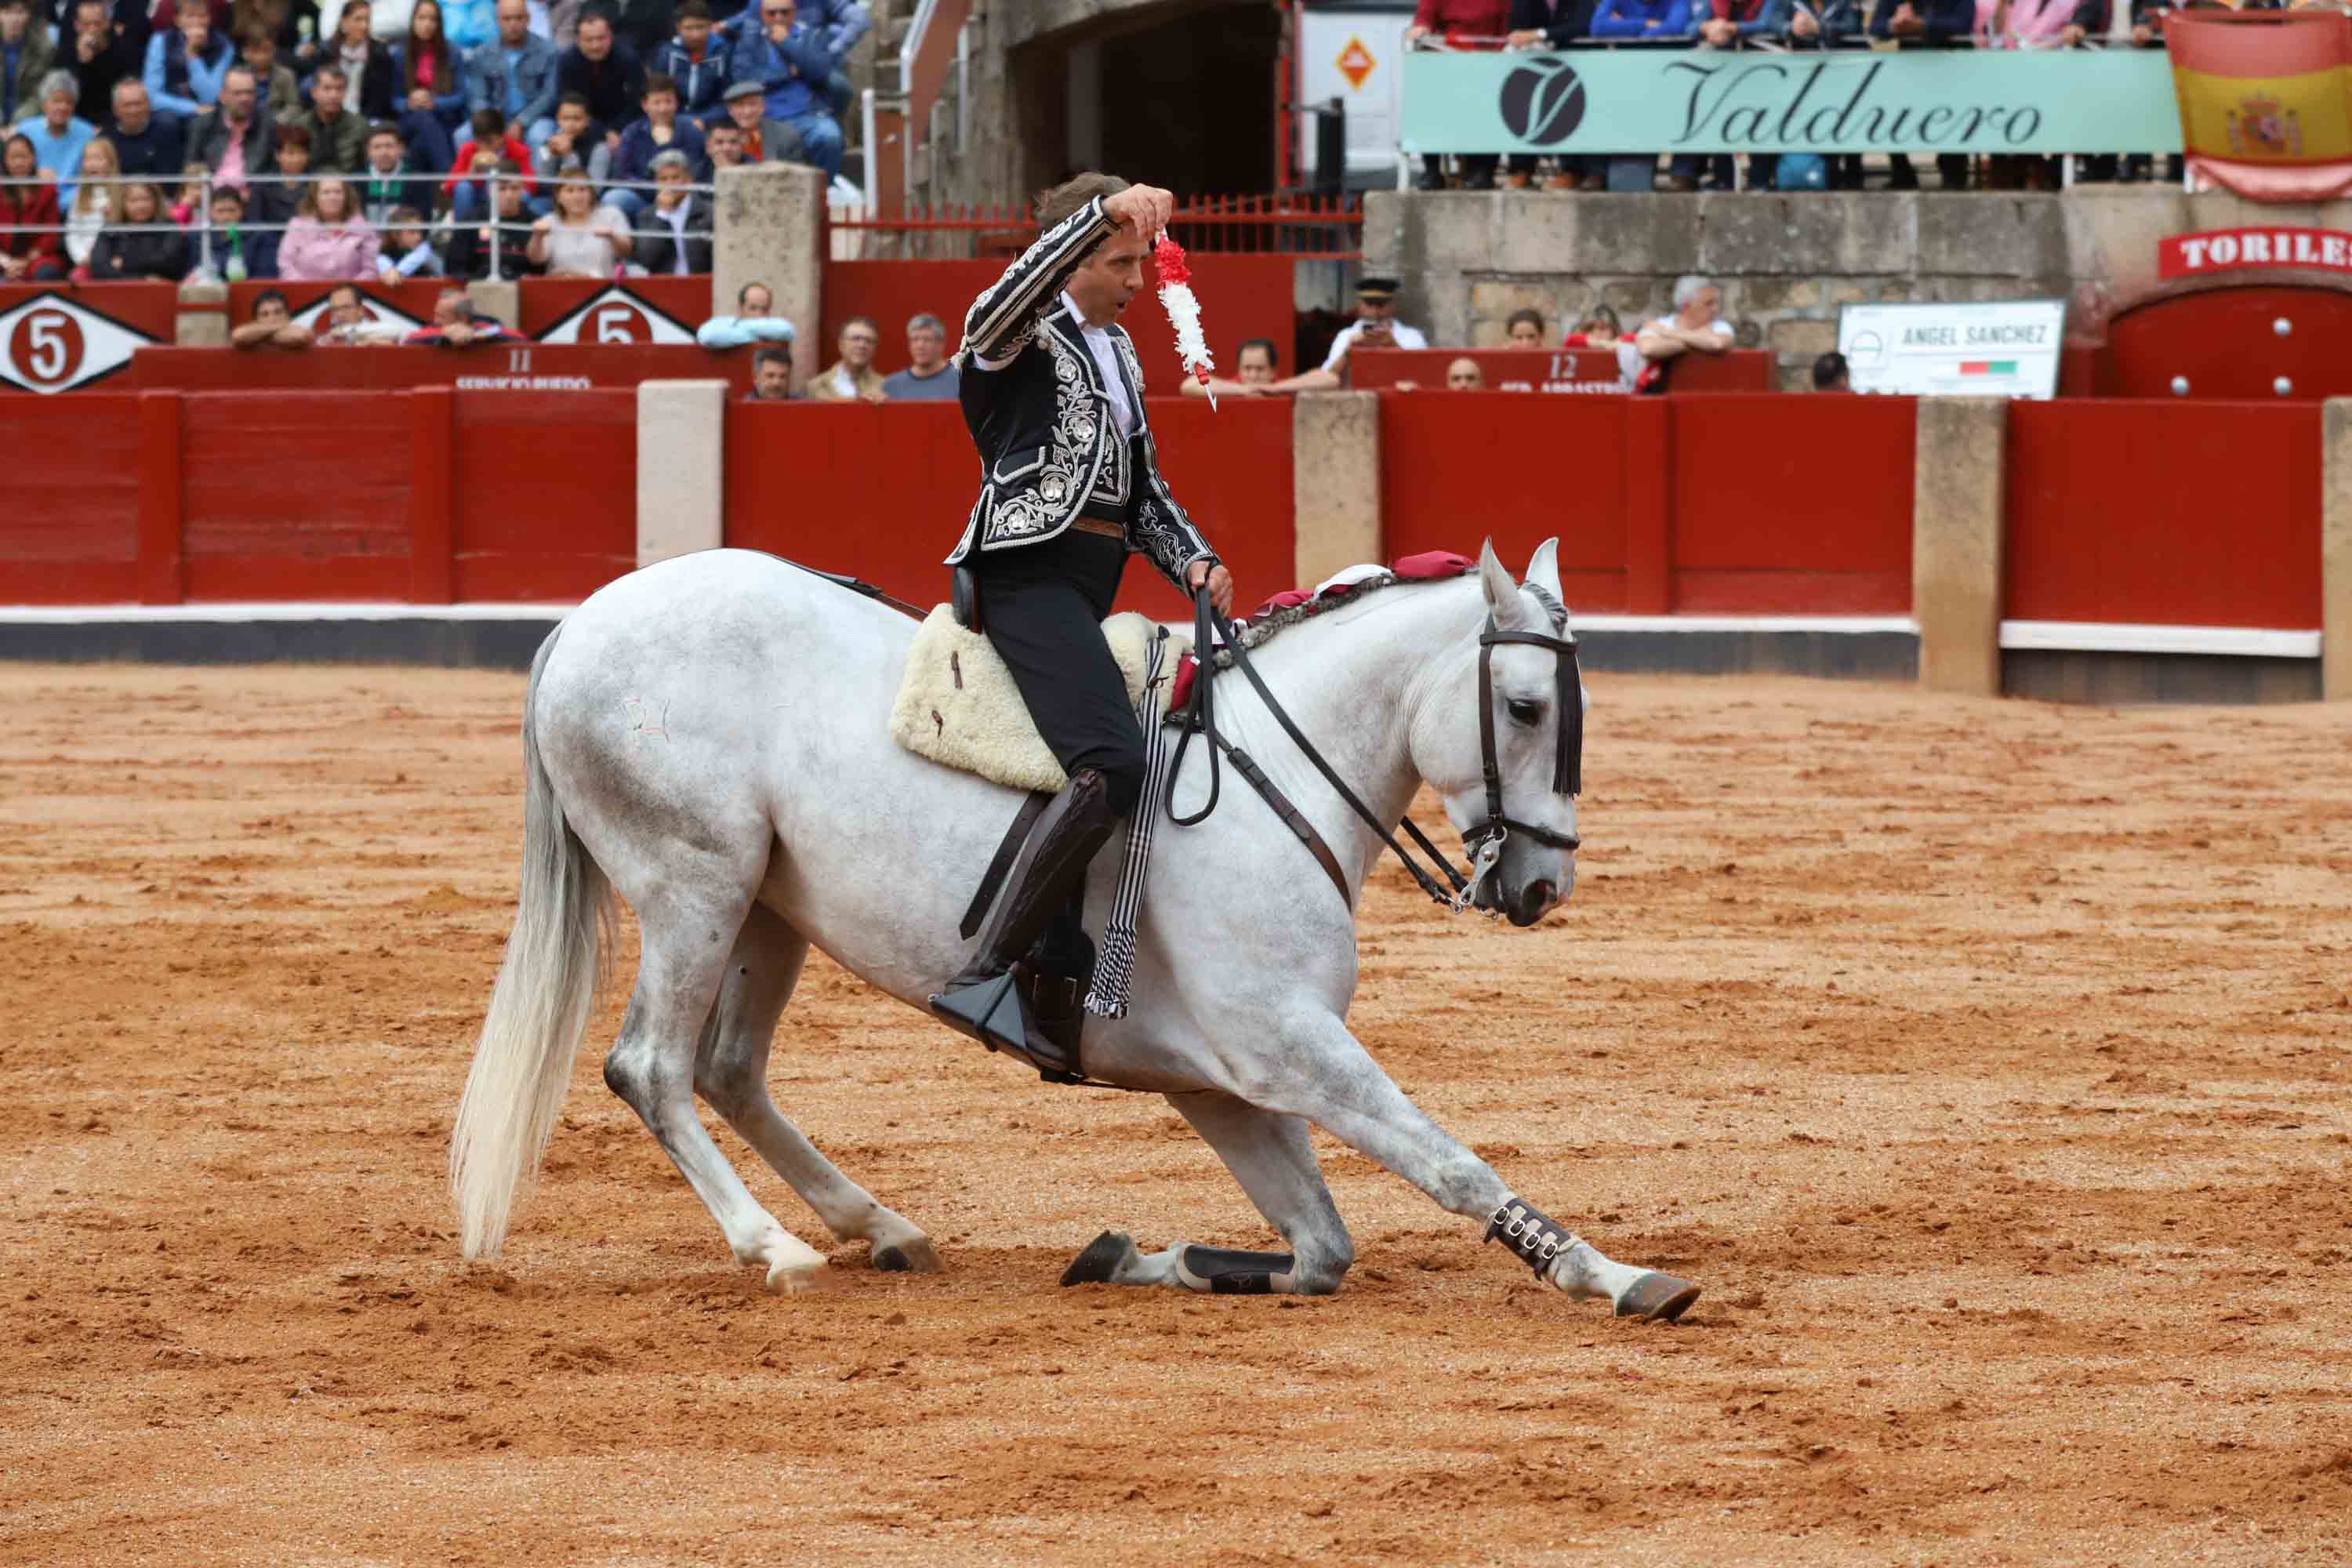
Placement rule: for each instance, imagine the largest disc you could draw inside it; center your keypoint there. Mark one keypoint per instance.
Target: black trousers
(1043, 607)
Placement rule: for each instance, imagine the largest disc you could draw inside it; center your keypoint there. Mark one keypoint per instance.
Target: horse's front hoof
(916, 1257)
(1100, 1260)
(1657, 1297)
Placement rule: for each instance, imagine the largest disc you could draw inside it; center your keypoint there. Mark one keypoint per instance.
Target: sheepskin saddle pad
(959, 707)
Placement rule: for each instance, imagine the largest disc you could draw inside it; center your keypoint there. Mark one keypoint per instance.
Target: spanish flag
(2265, 100)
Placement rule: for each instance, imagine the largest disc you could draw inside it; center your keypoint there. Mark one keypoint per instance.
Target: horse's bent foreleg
(1319, 1072)
(1273, 1160)
(730, 1073)
(652, 1065)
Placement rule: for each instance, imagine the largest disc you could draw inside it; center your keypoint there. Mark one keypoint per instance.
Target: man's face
(448, 308)
(776, 16)
(130, 106)
(514, 22)
(725, 145)
(694, 32)
(595, 37)
(746, 112)
(293, 158)
(237, 96)
(772, 379)
(271, 313)
(1108, 279)
(1375, 310)
(571, 120)
(1703, 305)
(1464, 375)
(90, 21)
(661, 108)
(195, 28)
(15, 22)
(511, 198)
(927, 346)
(672, 182)
(383, 152)
(327, 95)
(858, 343)
(343, 308)
(260, 53)
(756, 302)
(1256, 367)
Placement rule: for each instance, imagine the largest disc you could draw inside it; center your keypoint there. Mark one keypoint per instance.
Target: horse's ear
(1543, 570)
(1503, 601)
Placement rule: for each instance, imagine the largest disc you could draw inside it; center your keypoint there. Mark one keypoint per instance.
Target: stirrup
(994, 1013)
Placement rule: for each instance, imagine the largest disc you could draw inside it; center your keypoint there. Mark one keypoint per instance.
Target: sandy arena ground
(1987, 1062)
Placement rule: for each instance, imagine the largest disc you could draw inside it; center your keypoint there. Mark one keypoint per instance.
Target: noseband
(1484, 840)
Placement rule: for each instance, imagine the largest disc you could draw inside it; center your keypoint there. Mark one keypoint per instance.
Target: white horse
(708, 736)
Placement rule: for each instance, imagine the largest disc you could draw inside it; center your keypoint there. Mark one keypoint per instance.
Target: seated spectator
(931, 379)
(1524, 330)
(722, 147)
(470, 244)
(605, 73)
(1828, 24)
(514, 74)
(1640, 18)
(758, 139)
(1256, 365)
(272, 326)
(56, 134)
(329, 237)
(28, 217)
(790, 62)
(387, 182)
(407, 250)
(575, 140)
(236, 136)
(492, 148)
(28, 53)
(186, 64)
(851, 378)
(88, 214)
(1375, 327)
(257, 47)
(676, 237)
(754, 321)
(124, 256)
(579, 238)
(771, 374)
(697, 70)
(338, 137)
(100, 58)
(145, 142)
(349, 323)
(1442, 19)
(273, 204)
(457, 324)
(659, 131)
(1641, 363)
(234, 251)
(430, 95)
(1931, 22)
(1463, 374)
(1830, 373)
(1600, 330)
(365, 60)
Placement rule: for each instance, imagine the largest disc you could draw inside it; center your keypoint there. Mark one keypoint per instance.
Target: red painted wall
(2225, 342)
(545, 502)
(521, 369)
(294, 496)
(69, 524)
(1242, 297)
(2186, 514)
(1694, 503)
(1576, 371)
(882, 492)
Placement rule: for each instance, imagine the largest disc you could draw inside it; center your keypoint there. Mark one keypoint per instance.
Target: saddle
(958, 704)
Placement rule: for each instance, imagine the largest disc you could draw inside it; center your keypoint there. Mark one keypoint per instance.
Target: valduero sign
(2235, 249)
(1740, 100)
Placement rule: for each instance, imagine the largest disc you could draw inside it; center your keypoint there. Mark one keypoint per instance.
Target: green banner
(1754, 101)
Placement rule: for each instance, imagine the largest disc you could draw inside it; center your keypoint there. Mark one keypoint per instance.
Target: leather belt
(1086, 523)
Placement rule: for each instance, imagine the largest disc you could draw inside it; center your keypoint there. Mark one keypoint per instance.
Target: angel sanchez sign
(1716, 100)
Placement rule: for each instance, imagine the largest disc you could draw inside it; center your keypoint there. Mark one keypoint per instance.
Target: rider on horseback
(1069, 485)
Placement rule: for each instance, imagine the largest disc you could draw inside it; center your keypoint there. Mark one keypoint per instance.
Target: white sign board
(1351, 54)
(2004, 350)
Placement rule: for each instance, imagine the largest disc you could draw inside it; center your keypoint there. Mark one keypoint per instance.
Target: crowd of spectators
(312, 135)
(1791, 25)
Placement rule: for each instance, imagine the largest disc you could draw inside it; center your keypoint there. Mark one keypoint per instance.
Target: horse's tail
(555, 966)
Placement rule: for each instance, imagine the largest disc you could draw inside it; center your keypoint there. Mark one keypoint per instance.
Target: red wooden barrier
(1586, 371)
(882, 492)
(1242, 297)
(2225, 342)
(70, 527)
(523, 369)
(1689, 504)
(546, 494)
(547, 303)
(2153, 514)
(294, 496)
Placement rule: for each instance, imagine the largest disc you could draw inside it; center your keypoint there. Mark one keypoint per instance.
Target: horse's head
(1492, 745)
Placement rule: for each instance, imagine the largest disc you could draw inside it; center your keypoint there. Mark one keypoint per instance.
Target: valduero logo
(1542, 101)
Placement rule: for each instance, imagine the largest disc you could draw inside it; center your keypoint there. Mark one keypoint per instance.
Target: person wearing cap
(754, 321)
(765, 140)
(1375, 327)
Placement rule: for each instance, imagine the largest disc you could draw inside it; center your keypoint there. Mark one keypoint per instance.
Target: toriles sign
(2234, 250)
(1713, 100)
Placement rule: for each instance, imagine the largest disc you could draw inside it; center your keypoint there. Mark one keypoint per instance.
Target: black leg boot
(985, 1001)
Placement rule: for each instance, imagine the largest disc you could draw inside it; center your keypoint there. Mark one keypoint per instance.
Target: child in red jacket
(468, 186)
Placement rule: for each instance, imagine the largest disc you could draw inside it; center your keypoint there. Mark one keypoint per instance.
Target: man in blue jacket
(697, 62)
(789, 59)
(514, 73)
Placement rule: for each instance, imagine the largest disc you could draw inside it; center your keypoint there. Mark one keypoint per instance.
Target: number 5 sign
(54, 344)
(616, 316)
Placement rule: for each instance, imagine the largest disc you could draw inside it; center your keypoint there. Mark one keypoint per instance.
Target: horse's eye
(1525, 712)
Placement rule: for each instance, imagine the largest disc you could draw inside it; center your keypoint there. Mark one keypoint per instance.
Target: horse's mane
(1259, 630)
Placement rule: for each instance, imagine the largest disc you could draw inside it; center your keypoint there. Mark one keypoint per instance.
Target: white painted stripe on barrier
(2096, 636)
(1850, 625)
(89, 614)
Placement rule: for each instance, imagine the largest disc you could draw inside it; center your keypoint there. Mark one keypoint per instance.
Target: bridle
(1483, 841)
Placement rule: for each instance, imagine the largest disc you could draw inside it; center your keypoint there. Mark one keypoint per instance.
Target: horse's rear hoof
(1657, 1297)
(1100, 1260)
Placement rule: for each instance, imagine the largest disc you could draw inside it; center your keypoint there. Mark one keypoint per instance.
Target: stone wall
(1786, 263)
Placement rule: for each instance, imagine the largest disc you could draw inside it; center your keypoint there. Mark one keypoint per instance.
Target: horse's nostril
(1539, 896)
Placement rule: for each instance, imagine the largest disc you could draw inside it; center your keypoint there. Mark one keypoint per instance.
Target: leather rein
(1484, 840)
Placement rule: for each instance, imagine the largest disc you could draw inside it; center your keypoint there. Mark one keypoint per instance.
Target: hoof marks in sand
(1657, 1297)
(1100, 1260)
